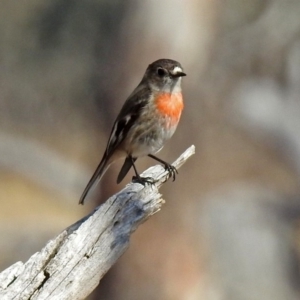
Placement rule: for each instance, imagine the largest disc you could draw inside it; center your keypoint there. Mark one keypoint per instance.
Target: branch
(71, 265)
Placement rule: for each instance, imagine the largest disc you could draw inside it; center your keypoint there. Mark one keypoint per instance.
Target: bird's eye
(161, 72)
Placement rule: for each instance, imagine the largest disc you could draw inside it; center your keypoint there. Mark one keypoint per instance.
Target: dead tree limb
(71, 265)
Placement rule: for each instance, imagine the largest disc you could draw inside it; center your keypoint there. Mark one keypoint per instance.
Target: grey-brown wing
(128, 115)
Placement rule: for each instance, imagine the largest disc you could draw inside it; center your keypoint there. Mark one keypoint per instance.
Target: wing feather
(128, 115)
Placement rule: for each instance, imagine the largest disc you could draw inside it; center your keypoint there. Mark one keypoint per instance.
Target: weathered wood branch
(71, 265)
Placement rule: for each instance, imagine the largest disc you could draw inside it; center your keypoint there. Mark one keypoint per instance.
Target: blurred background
(230, 227)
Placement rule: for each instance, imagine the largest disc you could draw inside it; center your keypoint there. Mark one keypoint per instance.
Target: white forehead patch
(177, 70)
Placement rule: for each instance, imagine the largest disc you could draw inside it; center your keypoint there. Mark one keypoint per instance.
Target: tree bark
(71, 265)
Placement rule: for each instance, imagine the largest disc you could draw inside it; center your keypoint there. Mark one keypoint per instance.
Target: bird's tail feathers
(125, 168)
(101, 169)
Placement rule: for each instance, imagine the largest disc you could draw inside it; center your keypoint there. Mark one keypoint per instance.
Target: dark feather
(95, 178)
(125, 168)
(128, 115)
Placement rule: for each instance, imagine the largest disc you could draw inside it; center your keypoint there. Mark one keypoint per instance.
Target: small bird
(148, 118)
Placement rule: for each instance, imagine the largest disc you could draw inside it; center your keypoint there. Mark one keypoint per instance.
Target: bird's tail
(128, 163)
(102, 167)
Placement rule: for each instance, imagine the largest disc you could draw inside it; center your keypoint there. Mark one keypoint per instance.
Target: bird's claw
(143, 180)
(149, 180)
(172, 171)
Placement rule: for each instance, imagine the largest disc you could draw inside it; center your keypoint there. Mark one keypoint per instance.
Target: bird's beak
(177, 72)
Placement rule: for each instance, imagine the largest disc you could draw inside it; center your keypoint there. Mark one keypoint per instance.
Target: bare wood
(71, 265)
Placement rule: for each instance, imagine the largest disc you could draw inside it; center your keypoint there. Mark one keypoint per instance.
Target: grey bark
(71, 265)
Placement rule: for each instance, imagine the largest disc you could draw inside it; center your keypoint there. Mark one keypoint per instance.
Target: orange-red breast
(148, 118)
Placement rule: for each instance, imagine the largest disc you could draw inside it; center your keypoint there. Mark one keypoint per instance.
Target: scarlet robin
(148, 118)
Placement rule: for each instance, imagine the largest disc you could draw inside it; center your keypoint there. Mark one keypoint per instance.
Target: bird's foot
(143, 180)
(172, 170)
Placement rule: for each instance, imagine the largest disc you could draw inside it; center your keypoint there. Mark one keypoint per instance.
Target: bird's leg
(171, 169)
(137, 178)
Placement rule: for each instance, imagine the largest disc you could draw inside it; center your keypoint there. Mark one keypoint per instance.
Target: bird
(148, 118)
